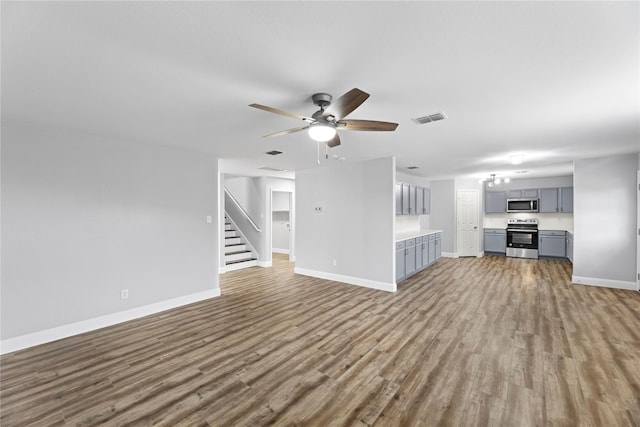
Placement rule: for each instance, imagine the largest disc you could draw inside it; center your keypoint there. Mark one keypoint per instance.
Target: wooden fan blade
(286, 132)
(334, 142)
(345, 105)
(372, 125)
(281, 112)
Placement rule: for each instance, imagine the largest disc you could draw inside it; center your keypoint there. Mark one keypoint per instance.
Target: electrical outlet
(124, 294)
(333, 261)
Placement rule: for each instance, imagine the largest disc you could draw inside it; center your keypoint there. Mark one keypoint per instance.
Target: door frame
(291, 223)
(476, 192)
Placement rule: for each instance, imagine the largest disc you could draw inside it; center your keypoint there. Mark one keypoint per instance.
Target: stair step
(230, 233)
(232, 240)
(236, 247)
(239, 261)
(237, 256)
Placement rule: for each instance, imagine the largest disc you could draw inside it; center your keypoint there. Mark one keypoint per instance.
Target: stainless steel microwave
(522, 205)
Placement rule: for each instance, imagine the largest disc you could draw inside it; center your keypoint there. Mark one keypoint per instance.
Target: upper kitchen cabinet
(495, 202)
(556, 200)
(423, 200)
(523, 194)
(412, 200)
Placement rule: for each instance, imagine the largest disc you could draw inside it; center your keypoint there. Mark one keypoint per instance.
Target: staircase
(237, 254)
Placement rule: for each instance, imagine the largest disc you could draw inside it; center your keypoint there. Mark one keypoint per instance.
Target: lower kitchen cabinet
(552, 243)
(495, 240)
(569, 249)
(400, 270)
(414, 255)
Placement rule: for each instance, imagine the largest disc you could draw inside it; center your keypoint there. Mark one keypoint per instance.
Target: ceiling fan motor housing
(322, 100)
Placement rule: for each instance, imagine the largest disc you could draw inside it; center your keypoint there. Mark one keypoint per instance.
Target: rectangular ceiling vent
(431, 118)
(273, 152)
(413, 167)
(267, 168)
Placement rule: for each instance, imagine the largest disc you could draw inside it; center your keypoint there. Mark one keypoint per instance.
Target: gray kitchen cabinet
(425, 251)
(569, 249)
(414, 255)
(566, 199)
(406, 191)
(419, 196)
(419, 253)
(410, 257)
(432, 248)
(495, 202)
(556, 200)
(548, 200)
(552, 243)
(400, 270)
(398, 198)
(523, 194)
(412, 199)
(495, 240)
(425, 206)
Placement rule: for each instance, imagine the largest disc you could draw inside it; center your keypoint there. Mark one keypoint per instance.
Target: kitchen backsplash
(408, 223)
(546, 221)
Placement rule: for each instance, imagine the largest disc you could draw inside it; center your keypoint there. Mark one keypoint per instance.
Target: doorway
(467, 223)
(282, 223)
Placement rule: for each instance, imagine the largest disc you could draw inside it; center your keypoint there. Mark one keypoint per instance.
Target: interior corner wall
(354, 225)
(84, 218)
(605, 214)
(443, 212)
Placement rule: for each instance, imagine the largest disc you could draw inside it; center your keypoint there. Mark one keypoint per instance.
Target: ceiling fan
(323, 124)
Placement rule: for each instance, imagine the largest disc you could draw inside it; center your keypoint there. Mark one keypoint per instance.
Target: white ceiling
(556, 81)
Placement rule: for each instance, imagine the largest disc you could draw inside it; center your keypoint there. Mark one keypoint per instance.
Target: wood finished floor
(488, 341)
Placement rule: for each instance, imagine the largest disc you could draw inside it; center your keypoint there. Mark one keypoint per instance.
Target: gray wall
(356, 224)
(443, 212)
(605, 220)
(83, 218)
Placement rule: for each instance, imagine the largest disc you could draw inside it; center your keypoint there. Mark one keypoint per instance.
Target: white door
(467, 213)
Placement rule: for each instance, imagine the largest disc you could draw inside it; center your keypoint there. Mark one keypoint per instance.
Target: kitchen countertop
(415, 233)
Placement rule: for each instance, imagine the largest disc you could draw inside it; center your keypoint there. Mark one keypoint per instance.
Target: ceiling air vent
(273, 152)
(432, 118)
(413, 167)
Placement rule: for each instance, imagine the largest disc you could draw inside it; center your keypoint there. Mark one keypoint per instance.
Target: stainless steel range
(522, 237)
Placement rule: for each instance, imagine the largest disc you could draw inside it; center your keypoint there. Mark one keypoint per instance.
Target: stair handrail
(244, 213)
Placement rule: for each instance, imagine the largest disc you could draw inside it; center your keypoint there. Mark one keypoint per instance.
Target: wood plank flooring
(492, 341)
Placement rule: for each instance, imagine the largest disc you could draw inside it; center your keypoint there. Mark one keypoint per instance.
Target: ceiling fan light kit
(323, 124)
(322, 132)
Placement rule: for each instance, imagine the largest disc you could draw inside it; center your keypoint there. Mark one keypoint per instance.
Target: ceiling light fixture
(322, 131)
(516, 159)
(492, 180)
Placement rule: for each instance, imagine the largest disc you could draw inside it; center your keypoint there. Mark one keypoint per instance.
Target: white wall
(83, 218)
(605, 221)
(248, 192)
(443, 212)
(355, 227)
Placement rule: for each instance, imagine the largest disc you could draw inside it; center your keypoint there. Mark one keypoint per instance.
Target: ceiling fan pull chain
(318, 152)
(326, 151)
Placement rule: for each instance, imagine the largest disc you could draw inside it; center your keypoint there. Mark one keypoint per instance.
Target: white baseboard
(449, 255)
(605, 283)
(265, 263)
(280, 251)
(36, 338)
(382, 286)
